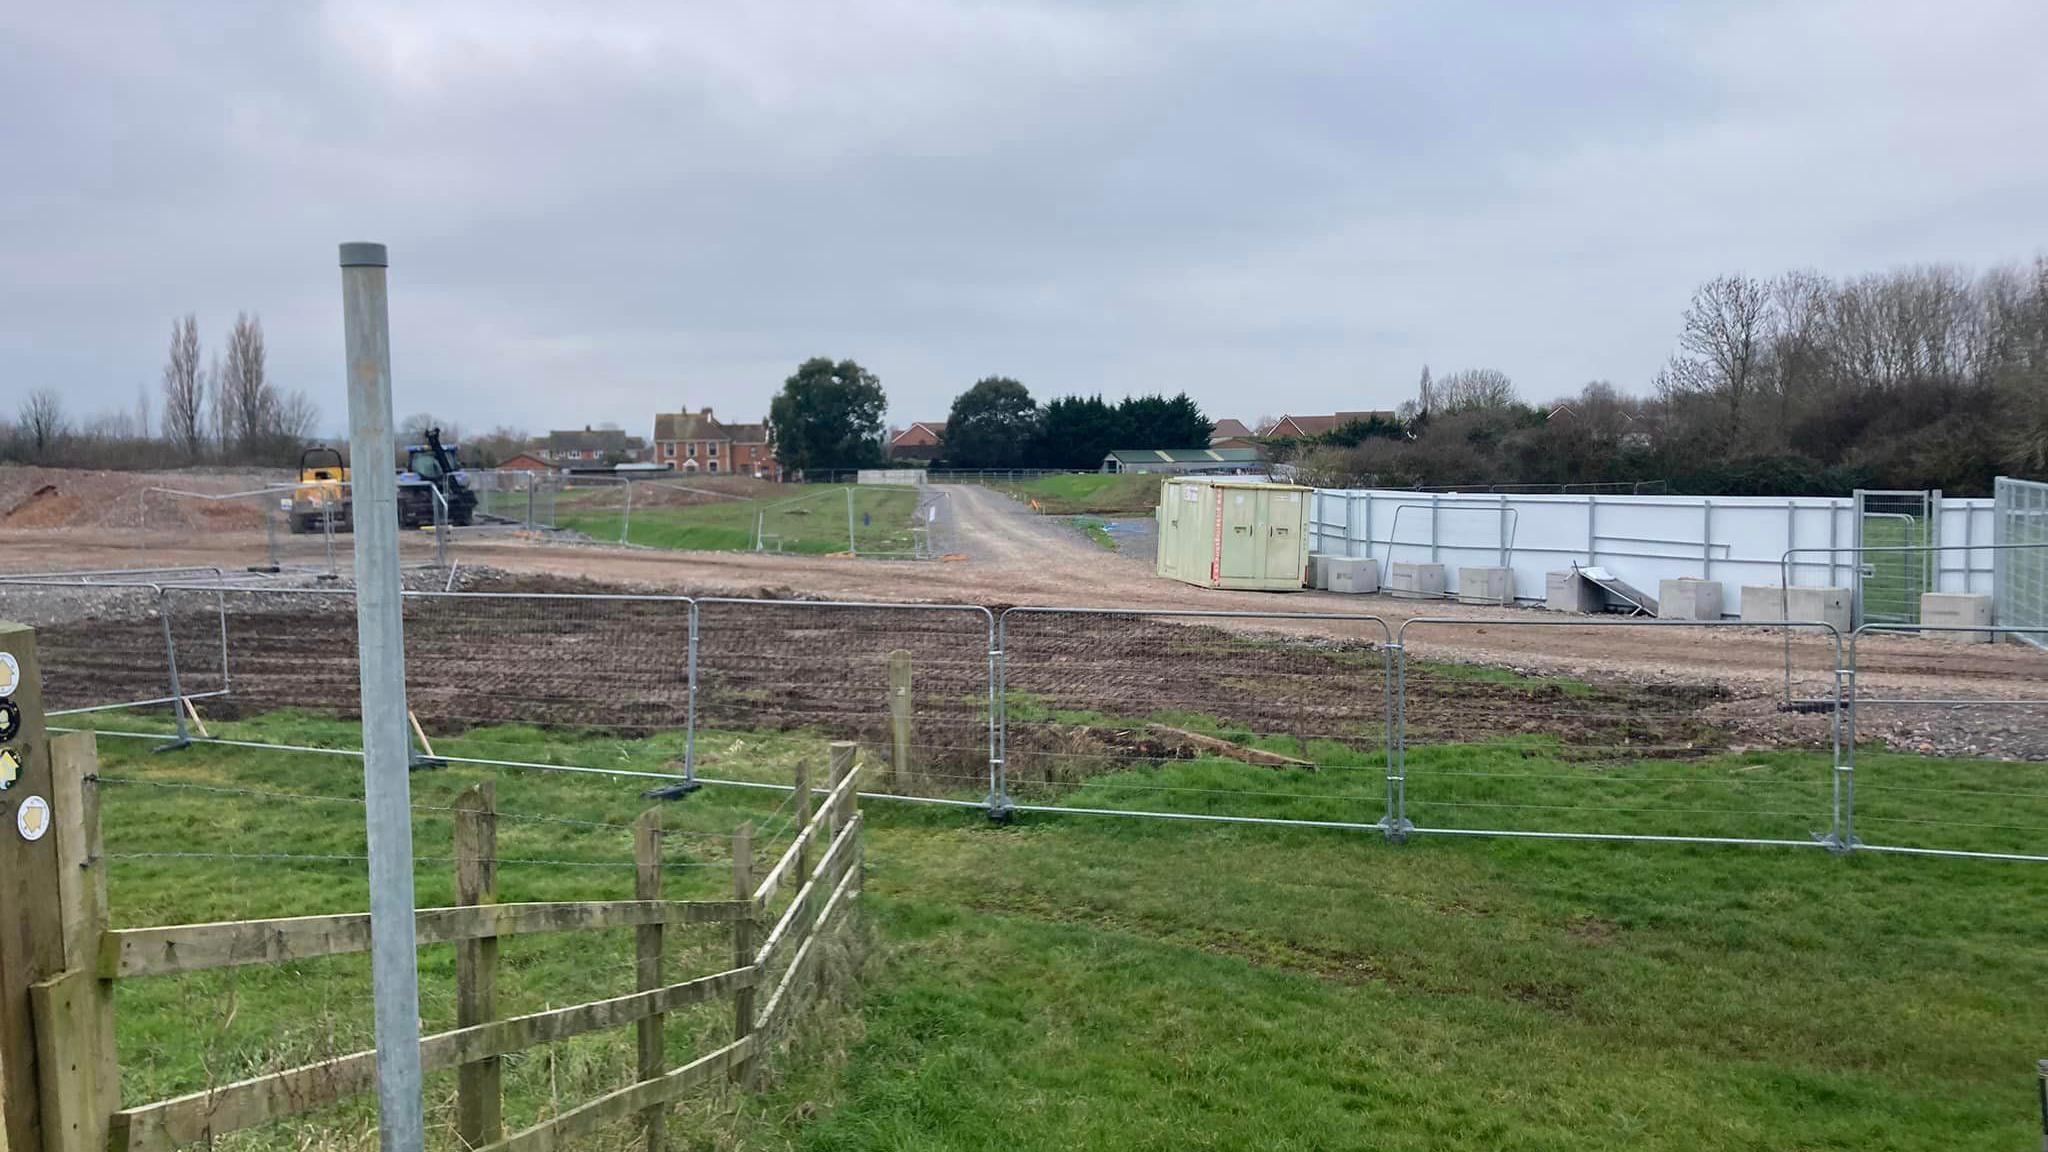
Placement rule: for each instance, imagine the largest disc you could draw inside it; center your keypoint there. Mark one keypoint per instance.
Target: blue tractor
(429, 468)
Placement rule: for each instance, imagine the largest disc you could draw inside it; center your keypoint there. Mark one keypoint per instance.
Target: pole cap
(361, 254)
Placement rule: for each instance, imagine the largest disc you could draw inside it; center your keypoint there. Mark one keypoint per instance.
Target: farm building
(1184, 460)
(923, 440)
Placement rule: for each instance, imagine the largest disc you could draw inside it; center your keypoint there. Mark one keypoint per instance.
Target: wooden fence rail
(73, 1011)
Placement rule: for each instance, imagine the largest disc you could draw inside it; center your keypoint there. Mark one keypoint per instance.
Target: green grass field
(1094, 983)
(1893, 581)
(809, 520)
(1091, 492)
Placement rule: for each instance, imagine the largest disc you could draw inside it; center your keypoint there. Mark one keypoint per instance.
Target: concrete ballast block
(1416, 581)
(1957, 610)
(1485, 585)
(1688, 598)
(1356, 575)
(1567, 591)
(1761, 604)
(1318, 569)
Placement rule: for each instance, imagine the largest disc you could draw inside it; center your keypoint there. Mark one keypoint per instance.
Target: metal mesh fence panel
(1951, 740)
(778, 679)
(1260, 716)
(596, 506)
(2021, 575)
(105, 647)
(1487, 749)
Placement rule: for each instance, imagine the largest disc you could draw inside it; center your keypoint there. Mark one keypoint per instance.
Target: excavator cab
(438, 467)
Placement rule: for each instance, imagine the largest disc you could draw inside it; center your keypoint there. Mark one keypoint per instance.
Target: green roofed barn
(1184, 460)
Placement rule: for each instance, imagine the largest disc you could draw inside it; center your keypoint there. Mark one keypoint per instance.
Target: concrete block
(1957, 610)
(1485, 585)
(1688, 598)
(1318, 575)
(1760, 605)
(1416, 581)
(1567, 591)
(1355, 575)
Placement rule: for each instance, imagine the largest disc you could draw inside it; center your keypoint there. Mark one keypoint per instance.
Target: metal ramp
(1621, 594)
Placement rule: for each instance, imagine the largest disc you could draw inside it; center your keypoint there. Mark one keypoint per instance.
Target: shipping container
(1224, 532)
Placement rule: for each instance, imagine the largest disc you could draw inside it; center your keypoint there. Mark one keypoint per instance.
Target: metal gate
(2019, 581)
(1896, 532)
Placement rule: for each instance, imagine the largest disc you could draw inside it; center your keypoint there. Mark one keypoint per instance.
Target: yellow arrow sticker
(10, 767)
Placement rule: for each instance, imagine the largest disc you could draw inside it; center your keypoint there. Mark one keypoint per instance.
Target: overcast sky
(1277, 207)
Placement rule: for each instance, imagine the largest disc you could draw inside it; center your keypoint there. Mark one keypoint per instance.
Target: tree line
(223, 409)
(828, 416)
(1925, 377)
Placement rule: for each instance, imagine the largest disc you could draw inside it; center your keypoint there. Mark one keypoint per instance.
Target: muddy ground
(623, 664)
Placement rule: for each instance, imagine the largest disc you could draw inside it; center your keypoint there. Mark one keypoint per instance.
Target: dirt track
(1013, 557)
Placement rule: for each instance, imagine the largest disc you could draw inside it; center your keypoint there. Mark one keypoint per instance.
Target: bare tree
(185, 389)
(252, 403)
(296, 417)
(1724, 337)
(1471, 390)
(42, 419)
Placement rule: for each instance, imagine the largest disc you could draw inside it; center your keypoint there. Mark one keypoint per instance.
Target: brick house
(525, 462)
(923, 440)
(1309, 427)
(591, 448)
(700, 442)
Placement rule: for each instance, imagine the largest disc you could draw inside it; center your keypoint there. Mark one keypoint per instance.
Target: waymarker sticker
(32, 819)
(10, 768)
(10, 674)
(10, 719)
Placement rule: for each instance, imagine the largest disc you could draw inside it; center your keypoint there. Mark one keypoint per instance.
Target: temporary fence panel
(1252, 716)
(1484, 751)
(2021, 595)
(1952, 730)
(107, 646)
(1889, 583)
(913, 685)
(1735, 540)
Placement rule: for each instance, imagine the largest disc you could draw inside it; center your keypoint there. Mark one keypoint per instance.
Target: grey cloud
(1272, 206)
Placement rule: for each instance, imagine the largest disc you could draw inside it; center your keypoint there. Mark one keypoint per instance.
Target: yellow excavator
(323, 494)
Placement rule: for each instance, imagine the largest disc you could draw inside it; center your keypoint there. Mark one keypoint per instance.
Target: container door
(1243, 534)
(1284, 527)
(1163, 516)
(1198, 532)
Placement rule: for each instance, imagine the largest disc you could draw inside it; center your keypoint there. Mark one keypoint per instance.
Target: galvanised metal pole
(380, 639)
(851, 548)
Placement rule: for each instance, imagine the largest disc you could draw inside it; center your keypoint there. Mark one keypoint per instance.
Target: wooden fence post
(843, 752)
(479, 1097)
(647, 954)
(805, 854)
(899, 717)
(32, 946)
(743, 943)
(77, 1070)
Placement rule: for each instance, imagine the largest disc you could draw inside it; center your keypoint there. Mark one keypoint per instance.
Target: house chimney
(707, 413)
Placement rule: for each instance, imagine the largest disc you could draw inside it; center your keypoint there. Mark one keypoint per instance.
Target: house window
(691, 449)
(714, 447)
(671, 450)
(714, 465)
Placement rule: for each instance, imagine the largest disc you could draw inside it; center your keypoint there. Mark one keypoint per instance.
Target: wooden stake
(647, 943)
(803, 820)
(479, 1092)
(743, 943)
(843, 753)
(418, 733)
(899, 717)
(192, 710)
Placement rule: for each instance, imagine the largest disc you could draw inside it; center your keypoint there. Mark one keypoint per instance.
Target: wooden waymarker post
(32, 942)
(899, 717)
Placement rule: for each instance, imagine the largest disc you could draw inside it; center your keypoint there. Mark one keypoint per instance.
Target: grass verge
(1096, 492)
(812, 521)
(1095, 983)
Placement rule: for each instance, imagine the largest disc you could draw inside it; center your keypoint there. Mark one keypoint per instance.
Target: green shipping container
(1225, 532)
